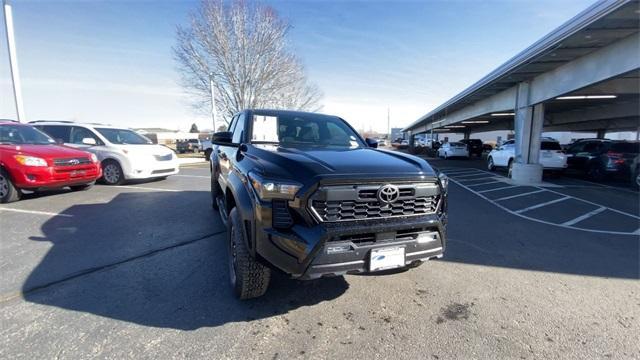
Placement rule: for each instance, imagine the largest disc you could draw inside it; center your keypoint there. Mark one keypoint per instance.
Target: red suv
(31, 160)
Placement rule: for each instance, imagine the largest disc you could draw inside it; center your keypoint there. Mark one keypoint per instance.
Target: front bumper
(138, 169)
(43, 178)
(329, 249)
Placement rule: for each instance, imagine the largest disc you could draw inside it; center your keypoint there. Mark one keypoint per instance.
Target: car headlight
(30, 160)
(94, 158)
(273, 189)
(444, 181)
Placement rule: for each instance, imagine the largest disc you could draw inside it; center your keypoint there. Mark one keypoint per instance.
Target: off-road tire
(510, 169)
(8, 193)
(248, 278)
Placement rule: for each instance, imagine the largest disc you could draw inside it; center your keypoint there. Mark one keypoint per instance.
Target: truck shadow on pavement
(145, 258)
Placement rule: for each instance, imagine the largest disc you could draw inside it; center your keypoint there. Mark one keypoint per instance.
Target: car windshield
(303, 130)
(123, 136)
(21, 134)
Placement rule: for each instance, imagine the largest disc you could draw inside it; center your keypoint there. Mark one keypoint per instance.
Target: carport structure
(583, 76)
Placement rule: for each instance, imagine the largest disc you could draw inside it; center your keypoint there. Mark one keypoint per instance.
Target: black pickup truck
(305, 194)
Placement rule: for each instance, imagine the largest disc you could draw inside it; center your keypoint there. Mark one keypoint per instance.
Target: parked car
(474, 146)
(31, 160)
(600, 158)
(635, 172)
(189, 145)
(382, 142)
(487, 147)
(551, 156)
(305, 194)
(123, 153)
(453, 149)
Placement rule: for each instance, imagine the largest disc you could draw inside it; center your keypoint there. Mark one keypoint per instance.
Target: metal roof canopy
(602, 24)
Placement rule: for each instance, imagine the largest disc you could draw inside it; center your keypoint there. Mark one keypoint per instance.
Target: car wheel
(490, 165)
(196, 150)
(112, 173)
(446, 156)
(81, 187)
(510, 169)
(595, 172)
(249, 279)
(636, 182)
(207, 154)
(8, 191)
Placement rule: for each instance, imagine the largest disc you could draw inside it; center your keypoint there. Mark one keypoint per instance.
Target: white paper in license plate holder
(386, 258)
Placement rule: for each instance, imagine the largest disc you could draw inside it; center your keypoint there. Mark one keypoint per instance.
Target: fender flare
(244, 205)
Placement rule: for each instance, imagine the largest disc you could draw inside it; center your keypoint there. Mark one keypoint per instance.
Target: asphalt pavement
(140, 272)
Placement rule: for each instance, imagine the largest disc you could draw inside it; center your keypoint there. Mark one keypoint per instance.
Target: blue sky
(111, 62)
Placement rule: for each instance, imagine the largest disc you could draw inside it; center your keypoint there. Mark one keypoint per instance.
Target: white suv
(551, 156)
(124, 154)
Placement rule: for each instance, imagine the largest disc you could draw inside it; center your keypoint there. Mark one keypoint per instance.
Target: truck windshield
(123, 136)
(21, 134)
(304, 130)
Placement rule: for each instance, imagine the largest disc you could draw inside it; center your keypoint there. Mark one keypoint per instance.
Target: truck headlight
(273, 189)
(444, 181)
(30, 160)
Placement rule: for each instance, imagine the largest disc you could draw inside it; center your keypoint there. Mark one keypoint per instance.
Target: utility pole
(13, 60)
(214, 111)
(388, 124)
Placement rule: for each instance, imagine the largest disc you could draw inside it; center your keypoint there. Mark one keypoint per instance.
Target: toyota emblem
(388, 194)
(74, 161)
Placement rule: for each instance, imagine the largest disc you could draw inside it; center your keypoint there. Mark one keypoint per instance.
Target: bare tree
(244, 46)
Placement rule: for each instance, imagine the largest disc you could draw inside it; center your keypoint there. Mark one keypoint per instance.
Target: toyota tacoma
(305, 194)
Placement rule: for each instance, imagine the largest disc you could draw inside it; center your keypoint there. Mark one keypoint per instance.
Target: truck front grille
(355, 210)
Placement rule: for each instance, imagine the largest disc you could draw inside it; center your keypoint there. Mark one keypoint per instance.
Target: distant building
(396, 133)
(167, 136)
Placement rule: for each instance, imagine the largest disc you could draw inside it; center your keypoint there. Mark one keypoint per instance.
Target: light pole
(13, 60)
(214, 112)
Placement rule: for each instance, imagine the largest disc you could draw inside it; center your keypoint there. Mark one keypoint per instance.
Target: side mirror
(222, 137)
(89, 141)
(371, 142)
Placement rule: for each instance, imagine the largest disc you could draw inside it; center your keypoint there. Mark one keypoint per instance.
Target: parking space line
(486, 183)
(469, 175)
(542, 204)
(143, 188)
(34, 212)
(522, 215)
(584, 217)
(518, 195)
(455, 172)
(496, 189)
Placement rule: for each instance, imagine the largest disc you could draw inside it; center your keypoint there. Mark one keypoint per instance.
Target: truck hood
(45, 151)
(313, 163)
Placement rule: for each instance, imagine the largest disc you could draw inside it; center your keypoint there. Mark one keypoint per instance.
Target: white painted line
(486, 183)
(584, 217)
(543, 204)
(142, 188)
(518, 195)
(193, 176)
(478, 193)
(496, 189)
(35, 212)
(598, 205)
(470, 175)
(455, 172)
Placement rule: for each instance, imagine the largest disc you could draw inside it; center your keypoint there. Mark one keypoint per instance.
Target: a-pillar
(528, 123)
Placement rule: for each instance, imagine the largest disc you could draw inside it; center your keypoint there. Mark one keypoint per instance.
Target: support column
(600, 134)
(467, 135)
(411, 140)
(528, 129)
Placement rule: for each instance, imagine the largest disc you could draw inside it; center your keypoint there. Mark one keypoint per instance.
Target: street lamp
(13, 60)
